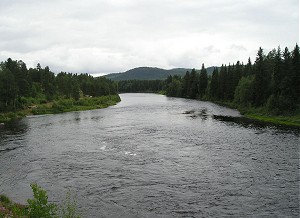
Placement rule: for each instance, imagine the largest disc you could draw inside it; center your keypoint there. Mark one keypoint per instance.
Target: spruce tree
(260, 83)
(193, 92)
(214, 84)
(203, 81)
(296, 73)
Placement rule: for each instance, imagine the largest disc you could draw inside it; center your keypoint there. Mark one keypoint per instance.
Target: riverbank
(62, 106)
(39, 206)
(260, 114)
(11, 209)
(279, 120)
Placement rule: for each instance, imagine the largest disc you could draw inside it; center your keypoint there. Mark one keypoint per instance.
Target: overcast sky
(105, 36)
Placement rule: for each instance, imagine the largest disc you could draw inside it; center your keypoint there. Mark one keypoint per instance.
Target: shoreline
(61, 106)
(288, 121)
(258, 115)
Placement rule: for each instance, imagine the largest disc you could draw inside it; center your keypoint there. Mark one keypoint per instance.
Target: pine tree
(222, 83)
(248, 68)
(193, 92)
(296, 72)
(186, 85)
(214, 84)
(287, 98)
(260, 80)
(203, 81)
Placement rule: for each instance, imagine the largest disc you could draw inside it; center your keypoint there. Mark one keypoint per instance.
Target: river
(154, 156)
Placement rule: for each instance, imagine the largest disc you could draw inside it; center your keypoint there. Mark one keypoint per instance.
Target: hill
(150, 73)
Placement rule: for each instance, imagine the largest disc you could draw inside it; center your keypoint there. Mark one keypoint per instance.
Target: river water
(154, 156)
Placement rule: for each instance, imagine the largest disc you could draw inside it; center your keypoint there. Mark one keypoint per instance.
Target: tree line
(140, 85)
(271, 82)
(20, 85)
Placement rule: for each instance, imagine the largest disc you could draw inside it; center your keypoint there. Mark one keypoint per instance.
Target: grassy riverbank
(280, 120)
(261, 114)
(61, 106)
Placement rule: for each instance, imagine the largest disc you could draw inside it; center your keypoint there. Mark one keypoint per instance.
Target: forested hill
(150, 73)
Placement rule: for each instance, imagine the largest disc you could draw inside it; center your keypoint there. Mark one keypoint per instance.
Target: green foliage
(282, 120)
(62, 105)
(174, 88)
(140, 85)
(10, 209)
(39, 207)
(4, 199)
(213, 91)
(21, 88)
(69, 207)
(203, 81)
(244, 91)
(67, 105)
(271, 83)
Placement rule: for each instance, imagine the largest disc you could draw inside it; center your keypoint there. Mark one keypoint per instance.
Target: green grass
(10, 209)
(262, 114)
(67, 105)
(6, 117)
(281, 120)
(62, 106)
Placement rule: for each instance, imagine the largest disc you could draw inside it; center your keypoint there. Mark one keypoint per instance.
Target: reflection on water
(11, 135)
(153, 156)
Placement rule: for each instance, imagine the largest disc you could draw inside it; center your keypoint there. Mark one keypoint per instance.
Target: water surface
(153, 156)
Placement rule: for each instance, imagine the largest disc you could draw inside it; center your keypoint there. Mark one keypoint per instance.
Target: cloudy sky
(105, 36)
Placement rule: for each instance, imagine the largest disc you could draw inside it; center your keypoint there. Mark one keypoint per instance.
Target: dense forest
(21, 87)
(141, 85)
(271, 83)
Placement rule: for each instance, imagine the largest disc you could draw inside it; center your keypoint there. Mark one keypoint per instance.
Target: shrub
(39, 206)
(4, 199)
(69, 207)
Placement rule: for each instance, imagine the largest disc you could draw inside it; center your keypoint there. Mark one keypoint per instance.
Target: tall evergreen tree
(193, 92)
(203, 81)
(287, 98)
(260, 80)
(214, 84)
(222, 94)
(278, 73)
(186, 85)
(248, 68)
(296, 72)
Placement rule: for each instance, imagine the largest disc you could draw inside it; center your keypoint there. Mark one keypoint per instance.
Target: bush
(39, 206)
(244, 91)
(4, 199)
(69, 207)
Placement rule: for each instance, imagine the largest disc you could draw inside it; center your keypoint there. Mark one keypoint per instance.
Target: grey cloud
(111, 36)
(238, 47)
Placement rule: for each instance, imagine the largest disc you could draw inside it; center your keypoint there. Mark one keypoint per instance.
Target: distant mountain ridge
(151, 73)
